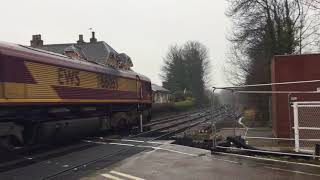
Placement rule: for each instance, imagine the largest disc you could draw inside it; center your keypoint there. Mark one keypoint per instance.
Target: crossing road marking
(109, 176)
(126, 175)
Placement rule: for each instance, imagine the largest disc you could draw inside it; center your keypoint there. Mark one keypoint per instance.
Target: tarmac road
(137, 160)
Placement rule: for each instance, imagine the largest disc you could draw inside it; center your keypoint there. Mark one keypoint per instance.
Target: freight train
(46, 96)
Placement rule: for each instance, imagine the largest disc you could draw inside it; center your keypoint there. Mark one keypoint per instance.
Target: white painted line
(170, 150)
(95, 142)
(129, 140)
(297, 172)
(268, 151)
(179, 152)
(161, 143)
(121, 144)
(225, 160)
(267, 159)
(111, 177)
(153, 142)
(138, 141)
(111, 139)
(149, 147)
(126, 175)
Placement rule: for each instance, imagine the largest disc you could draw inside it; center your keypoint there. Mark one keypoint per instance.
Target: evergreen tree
(187, 68)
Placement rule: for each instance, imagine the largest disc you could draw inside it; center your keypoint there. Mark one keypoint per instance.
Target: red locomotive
(44, 95)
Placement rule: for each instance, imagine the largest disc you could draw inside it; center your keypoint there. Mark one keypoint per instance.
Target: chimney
(93, 38)
(80, 41)
(36, 41)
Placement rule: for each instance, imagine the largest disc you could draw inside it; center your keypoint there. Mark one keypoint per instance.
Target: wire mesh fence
(306, 125)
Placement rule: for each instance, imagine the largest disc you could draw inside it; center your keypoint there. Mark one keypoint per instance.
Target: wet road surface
(120, 160)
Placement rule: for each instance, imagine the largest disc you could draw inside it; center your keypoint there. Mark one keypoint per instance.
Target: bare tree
(315, 4)
(264, 28)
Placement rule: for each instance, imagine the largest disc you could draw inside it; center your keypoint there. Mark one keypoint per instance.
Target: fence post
(317, 151)
(234, 101)
(213, 128)
(296, 126)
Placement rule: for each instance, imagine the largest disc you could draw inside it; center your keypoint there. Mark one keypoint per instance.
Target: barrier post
(234, 100)
(317, 151)
(296, 127)
(213, 127)
(141, 122)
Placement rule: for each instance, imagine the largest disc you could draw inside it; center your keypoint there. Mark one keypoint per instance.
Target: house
(292, 68)
(95, 51)
(160, 95)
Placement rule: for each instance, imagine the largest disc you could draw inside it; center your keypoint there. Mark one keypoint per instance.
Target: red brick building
(291, 68)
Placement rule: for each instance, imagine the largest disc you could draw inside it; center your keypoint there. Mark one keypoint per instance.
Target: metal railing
(248, 114)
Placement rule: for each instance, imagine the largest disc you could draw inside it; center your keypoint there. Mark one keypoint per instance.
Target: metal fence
(306, 125)
(249, 114)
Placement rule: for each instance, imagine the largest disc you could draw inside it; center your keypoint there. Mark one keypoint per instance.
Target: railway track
(169, 127)
(203, 117)
(169, 119)
(170, 124)
(175, 116)
(171, 130)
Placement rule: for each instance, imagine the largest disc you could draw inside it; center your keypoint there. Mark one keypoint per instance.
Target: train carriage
(45, 95)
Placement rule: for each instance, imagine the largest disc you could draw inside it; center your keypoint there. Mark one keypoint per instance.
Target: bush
(185, 105)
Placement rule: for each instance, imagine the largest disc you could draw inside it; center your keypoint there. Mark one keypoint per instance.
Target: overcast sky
(144, 29)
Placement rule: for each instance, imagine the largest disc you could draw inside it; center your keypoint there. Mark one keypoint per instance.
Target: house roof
(93, 51)
(157, 88)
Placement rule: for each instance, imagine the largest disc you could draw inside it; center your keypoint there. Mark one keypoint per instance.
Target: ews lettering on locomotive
(68, 77)
(107, 81)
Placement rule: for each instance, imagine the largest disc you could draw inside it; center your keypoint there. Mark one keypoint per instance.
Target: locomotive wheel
(120, 121)
(8, 143)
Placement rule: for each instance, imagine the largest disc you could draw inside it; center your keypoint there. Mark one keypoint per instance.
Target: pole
(213, 128)
(296, 126)
(317, 151)
(235, 115)
(141, 122)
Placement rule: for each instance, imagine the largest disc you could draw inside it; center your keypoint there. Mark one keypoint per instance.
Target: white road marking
(179, 152)
(154, 142)
(297, 172)
(225, 160)
(170, 150)
(95, 142)
(129, 140)
(111, 177)
(126, 175)
(267, 159)
(138, 141)
(121, 144)
(156, 148)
